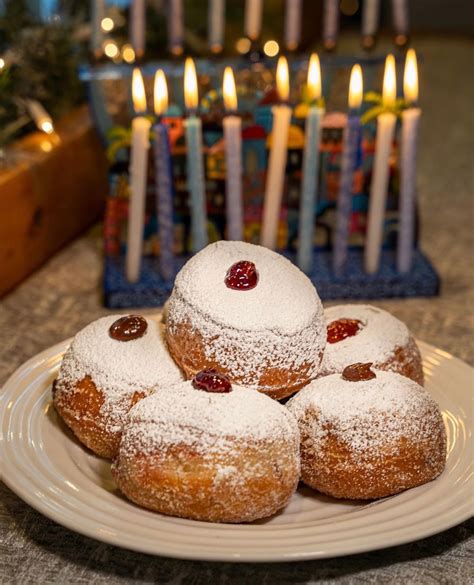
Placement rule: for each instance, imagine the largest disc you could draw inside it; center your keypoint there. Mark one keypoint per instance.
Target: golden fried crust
(407, 362)
(337, 470)
(179, 481)
(80, 407)
(187, 347)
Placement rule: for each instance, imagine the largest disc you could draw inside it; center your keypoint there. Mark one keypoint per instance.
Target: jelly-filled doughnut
(249, 313)
(362, 333)
(209, 450)
(368, 433)
(110, 365)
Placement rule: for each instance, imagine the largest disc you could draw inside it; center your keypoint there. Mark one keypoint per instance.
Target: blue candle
(163, 179)
(348, 163)
(195, 166)
(309, 186)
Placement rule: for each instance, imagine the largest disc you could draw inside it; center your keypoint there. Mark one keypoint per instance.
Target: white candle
(370, 21)
(40, 116)
(253, 18)
(400, 20)
(175, 26)
(196, 177)
(292, 24)
(348, 166)
(277, 162)
(137, 27)
(380, 172)
(138, 175)
(233, 150)
(216, 19)
(309, 185)
(330, 23)
(408, 148)
(97, 36)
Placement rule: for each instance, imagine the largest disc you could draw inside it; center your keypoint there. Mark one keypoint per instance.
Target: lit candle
(233, 150)
(400, 21)
(97, 37)
(40, 116)
(309, 186)
(196, 186)
(348, 163)
(137, 27)
(175, 26)
(253, 18)
(410, 123)
(163, 178)
(277, 161)
(216, 19)
(138, 174)
(330, 23)
(292, 24)
(370, 22)
(380, 173)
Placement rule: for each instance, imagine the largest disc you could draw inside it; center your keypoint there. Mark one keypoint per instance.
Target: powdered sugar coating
(180, 413)
(284, 300)
(117, 368)
(380, 334)
(366, 415)
(276, 326)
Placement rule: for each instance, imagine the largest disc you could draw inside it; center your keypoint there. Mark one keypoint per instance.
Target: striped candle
(163, 178)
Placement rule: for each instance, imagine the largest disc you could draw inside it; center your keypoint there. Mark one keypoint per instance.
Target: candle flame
(46, 126)
(160, 93)
(389, 93)
(314, 78)
(283, 79)
(229, 91)
(356, 88)
(410, 78)
(138, 92)
(190, 85)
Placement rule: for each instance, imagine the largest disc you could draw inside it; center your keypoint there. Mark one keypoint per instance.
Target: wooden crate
(55, 190)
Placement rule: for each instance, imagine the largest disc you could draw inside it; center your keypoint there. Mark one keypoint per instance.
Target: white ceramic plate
(48, 469)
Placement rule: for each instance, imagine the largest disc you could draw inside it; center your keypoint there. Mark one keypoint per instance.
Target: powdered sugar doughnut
(378, 337)
(229, 456)
(368, 439)
(101, 378)
(270, 336)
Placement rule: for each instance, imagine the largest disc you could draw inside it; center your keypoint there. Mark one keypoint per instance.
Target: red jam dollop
(343, 328)
(211, 380)
(128, 328)
(242, 275)
(358, 372)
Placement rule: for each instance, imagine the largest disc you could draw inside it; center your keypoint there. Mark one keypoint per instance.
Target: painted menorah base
(152, 291)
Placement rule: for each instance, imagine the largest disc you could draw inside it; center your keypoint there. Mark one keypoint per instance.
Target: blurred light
(271, 48)
(107, 24)
(128, 54)
(349, 7)
(2, 63)
(46, 146)
(243, 45)
(111, 49)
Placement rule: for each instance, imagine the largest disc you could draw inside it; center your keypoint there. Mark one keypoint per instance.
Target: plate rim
(463, 512)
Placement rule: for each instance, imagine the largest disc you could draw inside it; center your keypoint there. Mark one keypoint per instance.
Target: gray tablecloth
(65, 295)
